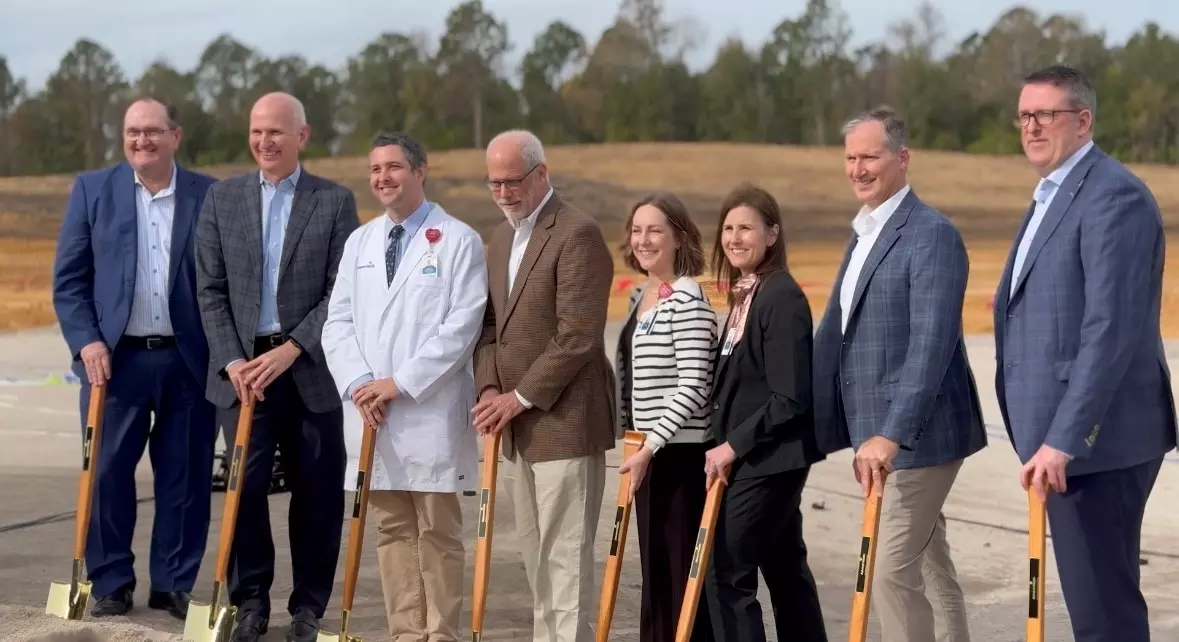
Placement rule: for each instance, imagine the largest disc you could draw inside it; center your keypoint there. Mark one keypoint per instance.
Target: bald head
(278, 132)
(150, 139)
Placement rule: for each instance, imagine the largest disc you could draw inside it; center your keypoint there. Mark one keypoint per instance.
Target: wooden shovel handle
(862, 598)
(483, 533)
(697, 570)
(1038, 572)
(632, 442)
(359, 513)
(237, 472)
(90, 442)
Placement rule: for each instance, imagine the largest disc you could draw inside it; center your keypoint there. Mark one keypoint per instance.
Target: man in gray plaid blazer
(1081, 374)
(268, 245)
(891, 377)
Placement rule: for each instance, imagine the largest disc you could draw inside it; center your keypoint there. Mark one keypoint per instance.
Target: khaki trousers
(913, 549)
(557, 505)
(420, 555)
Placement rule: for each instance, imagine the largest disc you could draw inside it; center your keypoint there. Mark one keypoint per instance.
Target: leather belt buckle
(151, 343)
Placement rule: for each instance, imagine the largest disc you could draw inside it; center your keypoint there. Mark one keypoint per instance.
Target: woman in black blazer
(763, 426)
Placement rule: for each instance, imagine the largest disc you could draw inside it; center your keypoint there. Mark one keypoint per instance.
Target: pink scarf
(743, 292)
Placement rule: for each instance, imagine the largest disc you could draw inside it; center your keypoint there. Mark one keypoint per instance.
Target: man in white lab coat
(403, 320)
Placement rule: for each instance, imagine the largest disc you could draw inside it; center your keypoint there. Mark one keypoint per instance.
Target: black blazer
(761, 399)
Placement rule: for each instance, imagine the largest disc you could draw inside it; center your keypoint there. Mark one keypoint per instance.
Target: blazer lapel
(183, 223)
(124, 197)
(888, 237)
(252, 197)
(414, 252)
(302, 208)
(540, 237)
(1061, 200)
(498, 254)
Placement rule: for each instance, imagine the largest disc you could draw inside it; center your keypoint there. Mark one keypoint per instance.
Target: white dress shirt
(516, 256)
(153, 246)
(867, 225)
(1045, 192)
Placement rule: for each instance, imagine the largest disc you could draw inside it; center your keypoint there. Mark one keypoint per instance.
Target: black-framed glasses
(152, 133)
(513, 184)
(1043, 117)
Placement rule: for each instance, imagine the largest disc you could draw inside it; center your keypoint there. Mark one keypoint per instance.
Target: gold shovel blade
(201, 626)
(342, 636)
(68, 600)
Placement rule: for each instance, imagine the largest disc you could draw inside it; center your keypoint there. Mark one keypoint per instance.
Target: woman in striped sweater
(664, 377)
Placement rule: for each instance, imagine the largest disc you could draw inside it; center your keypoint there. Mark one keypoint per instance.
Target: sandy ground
(986, 513)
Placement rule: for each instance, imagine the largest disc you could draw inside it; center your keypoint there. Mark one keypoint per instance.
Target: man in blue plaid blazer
(1081, 375)
(891, 377)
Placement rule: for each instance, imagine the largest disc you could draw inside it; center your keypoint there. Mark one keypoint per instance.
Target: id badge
(730, 339)
(646, 323)
(431, 268)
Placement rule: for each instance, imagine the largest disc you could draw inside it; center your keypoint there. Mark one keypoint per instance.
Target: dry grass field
(985, 196)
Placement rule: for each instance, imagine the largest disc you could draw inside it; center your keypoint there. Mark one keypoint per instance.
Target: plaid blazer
(901, 368)
(545, 339)
(229, 277)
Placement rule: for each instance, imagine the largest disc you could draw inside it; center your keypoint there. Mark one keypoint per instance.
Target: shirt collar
(289, 182)
(531, 220)
(167, 191)
(1049, 183)
(413, 221)
(869, 220)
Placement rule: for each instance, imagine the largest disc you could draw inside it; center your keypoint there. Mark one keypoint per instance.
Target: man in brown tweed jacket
(545, 381)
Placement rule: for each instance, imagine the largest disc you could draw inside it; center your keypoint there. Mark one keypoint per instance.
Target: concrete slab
(39, 430)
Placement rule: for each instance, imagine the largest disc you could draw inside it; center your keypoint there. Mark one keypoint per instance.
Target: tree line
(632, 84)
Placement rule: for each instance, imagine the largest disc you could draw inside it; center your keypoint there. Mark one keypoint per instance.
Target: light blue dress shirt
(276, 212)
(412, 224)
(1045, 192)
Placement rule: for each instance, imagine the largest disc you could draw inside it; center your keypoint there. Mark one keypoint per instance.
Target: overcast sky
(34, 34)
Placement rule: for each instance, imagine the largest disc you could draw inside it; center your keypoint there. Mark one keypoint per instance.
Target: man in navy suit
(892, 379)
(1081, 375)
(124, 292)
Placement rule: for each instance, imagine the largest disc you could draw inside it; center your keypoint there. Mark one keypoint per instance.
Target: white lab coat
(421, 330)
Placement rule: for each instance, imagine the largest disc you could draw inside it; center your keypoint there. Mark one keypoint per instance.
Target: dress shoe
(250, 627)
(304, 627)
(117, 603)
(174, 602)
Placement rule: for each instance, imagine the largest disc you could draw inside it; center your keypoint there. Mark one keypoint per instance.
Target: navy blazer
(94, 270)
(901, 370)
(1079, 360)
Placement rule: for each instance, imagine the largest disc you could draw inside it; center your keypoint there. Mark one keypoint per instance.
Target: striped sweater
(670, 369)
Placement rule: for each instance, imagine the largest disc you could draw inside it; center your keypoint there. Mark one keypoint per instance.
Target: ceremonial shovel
(483, 534)
(862, 599)
(632, 441)
(1038, 576)
(355, 536)
(69, 600)
(704, 536)
(213, 622)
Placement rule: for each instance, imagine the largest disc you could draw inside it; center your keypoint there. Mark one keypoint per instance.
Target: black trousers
(668, 507)
(760, 527)
(314, 461)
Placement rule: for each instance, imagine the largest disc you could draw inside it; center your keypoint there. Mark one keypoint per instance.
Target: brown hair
(764, 204)
(689, 257)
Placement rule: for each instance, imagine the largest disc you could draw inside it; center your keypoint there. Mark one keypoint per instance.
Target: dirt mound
(22, 624)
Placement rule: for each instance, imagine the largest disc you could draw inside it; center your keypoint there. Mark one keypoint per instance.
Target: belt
(154, 342)
(269, 341)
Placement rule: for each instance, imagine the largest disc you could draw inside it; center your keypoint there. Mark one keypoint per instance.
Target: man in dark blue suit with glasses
(124, 290)
(1081, 376)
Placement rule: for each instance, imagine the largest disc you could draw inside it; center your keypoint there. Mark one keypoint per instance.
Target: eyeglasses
(511, 185)
(152, 133)
(1043, 118)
